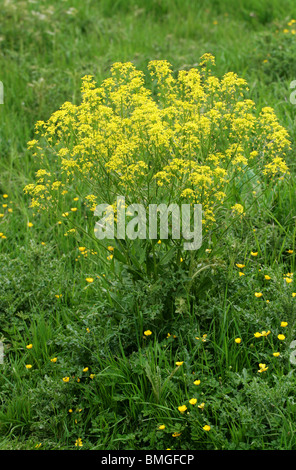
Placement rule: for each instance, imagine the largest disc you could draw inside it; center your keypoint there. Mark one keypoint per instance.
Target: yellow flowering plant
(191, 138)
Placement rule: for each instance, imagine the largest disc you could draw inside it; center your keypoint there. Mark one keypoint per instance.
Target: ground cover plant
(140, 344)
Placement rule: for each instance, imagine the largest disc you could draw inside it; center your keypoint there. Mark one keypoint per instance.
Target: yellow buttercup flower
(29, 366)
(263, 368)
(193, 401)
(29, 346)
(201, 406)
(147, 333)
(161, 427)
(179, 363)
(254, 253)
(66, 379)
(281, 337)
(89, 279)
(238, 340)
(206, 427)
(284, 324)
(258, 294)
(182, 408)
(196, 382)
(276, 354)
(257, 334)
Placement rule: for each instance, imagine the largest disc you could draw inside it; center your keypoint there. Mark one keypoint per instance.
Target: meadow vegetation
(139, 344)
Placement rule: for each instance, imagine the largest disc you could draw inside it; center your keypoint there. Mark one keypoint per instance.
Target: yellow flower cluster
(190, 138)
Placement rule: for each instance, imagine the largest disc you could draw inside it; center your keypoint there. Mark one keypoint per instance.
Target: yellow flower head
(257, 334)
(263, 368)
(193, 401)
(147, 333)
(284, 323)
(238, 340)
(78, 442)
(281, 337)
(182, 408)
(206, 427)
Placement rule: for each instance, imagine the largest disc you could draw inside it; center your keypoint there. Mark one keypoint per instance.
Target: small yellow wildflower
(89, 279)
(29, 346)
(206, 427)
(78, 442)
(29, 224)
(258, 294)
(263, 368)
(29, 366)
(281, 337)
(238, 340)
(201, 406)
(196, 382)
(276, 354)
(176, 434)
(161, 427)
(179, 363)
(193, 401)
(147, 333)
(66, 379)
(85, 369)
(54, 359)
(284, 323)
(254, 253)
(182, 408)
(257, 334)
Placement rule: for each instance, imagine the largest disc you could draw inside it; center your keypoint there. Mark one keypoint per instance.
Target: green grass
(45, 49)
